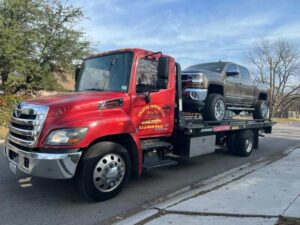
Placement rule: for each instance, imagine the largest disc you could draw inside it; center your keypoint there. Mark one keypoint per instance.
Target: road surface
(27, 200)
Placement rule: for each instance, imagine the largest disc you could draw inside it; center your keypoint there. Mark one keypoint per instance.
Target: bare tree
(277, 65)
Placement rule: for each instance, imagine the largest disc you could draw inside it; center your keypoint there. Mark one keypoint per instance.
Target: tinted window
(232, 68)
(244, 73)
(147, 75)
(214, 67)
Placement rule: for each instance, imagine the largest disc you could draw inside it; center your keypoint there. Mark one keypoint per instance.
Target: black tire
(208, 112)
(259, 111)
(230, 143)
(85, 171)
(244, 143)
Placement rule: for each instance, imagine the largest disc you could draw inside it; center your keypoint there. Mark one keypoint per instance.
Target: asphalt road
(26, 200)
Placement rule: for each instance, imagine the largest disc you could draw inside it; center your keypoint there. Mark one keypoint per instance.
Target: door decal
(152, 117)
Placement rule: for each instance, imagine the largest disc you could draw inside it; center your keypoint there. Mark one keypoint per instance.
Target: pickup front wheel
(103, 171)
(215, 108)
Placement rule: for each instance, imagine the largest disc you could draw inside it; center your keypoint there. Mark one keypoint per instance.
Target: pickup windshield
(106, 73)
(214, 67)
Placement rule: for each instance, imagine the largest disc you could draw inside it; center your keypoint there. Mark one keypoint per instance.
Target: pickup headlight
(197, 79)
(196, 93)
(67, 136)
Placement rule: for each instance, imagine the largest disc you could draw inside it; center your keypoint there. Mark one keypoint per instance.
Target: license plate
(13, 167)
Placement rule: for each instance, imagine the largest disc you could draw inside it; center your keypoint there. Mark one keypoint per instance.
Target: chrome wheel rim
(109, 172)
(219, 109)
(264, 110)
(249, 145)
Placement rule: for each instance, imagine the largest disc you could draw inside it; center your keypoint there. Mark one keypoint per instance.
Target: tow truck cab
(127, 103)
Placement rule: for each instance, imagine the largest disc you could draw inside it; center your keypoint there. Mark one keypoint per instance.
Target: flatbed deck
(196, 128)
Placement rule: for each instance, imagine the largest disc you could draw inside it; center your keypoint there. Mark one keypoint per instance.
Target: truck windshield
(106, 73)
(214, 67)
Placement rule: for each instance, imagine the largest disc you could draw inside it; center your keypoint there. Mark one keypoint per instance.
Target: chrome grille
(26, 124)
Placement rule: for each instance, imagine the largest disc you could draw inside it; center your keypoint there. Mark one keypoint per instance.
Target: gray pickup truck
(213, 88)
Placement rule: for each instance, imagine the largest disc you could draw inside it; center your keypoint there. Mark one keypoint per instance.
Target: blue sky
(191, 31)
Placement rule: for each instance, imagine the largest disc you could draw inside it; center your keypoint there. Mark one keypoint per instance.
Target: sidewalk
(255, 196)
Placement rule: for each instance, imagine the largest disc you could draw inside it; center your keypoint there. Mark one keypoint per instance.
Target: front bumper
(46, 165)
(190, 105)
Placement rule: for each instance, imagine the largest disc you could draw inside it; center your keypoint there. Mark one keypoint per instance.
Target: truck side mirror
(77, 71)
(163, 72)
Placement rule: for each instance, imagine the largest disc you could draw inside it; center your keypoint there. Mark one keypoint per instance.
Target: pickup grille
(184, 77)
(26, 124)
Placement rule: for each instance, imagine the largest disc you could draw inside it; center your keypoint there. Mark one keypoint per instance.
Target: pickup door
(246, 87)
(232, 85)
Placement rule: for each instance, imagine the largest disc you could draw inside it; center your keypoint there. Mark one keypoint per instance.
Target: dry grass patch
(3, 132)
(285, 120)
(288, 221)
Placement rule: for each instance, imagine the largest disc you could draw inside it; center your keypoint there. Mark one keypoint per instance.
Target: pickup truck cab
(213, 88)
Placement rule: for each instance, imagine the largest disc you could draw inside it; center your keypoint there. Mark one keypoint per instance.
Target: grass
(3, 132)
(277, 120)
(288, 221)
(286, 120)
(7, 103)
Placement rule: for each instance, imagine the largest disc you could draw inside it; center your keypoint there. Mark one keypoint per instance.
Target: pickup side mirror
(232, 73)
(163, 72)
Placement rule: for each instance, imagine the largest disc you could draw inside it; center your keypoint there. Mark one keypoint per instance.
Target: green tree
(39, 41)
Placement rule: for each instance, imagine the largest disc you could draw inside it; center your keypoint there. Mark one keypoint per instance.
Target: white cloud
(190, 38)
(290, 31)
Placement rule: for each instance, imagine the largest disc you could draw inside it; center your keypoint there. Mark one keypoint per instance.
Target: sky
(191, 31)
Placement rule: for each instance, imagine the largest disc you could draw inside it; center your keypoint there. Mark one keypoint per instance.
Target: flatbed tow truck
(125, 116)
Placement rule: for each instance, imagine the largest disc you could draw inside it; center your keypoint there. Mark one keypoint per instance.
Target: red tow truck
(125, 116)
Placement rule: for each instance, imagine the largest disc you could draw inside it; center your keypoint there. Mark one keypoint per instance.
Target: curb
(200, 188)
(137, 218)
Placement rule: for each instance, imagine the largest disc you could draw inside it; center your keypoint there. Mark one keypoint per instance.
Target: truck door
(247, 87)
(153, 117)
(232, 85)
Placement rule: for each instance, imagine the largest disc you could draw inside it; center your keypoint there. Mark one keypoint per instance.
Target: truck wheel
(215, 108)
(244, 143)
(261, 110)
(103, 171)
(230, 143)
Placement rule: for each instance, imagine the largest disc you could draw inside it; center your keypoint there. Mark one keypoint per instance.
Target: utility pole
(271, 88)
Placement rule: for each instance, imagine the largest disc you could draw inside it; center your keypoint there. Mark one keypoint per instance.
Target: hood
(204, 72)
(78, 102)
(205, 75)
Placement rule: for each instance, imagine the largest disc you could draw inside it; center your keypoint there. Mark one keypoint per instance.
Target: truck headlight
(67, 136)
